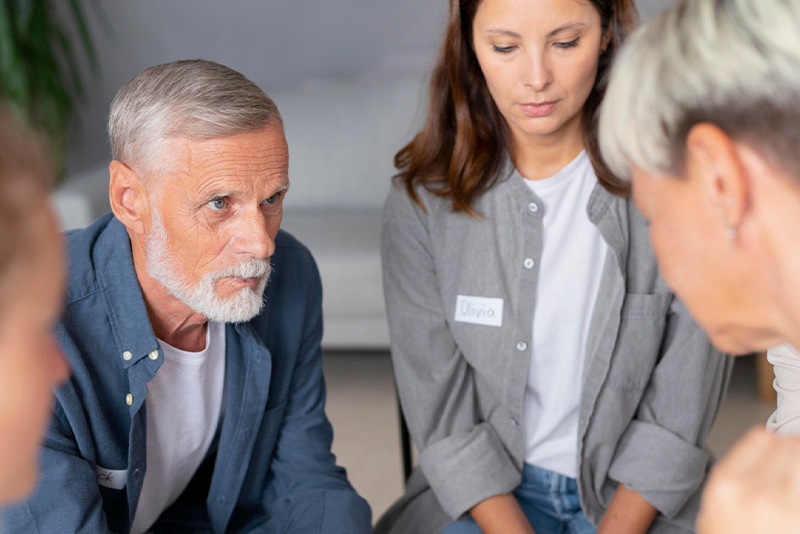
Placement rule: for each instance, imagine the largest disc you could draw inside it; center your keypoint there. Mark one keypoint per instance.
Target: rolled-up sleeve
(661, 454)
(462, 457)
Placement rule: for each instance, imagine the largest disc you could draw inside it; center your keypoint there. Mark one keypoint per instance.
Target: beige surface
(363, 409)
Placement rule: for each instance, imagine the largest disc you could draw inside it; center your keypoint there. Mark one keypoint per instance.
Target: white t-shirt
(573, 254)
(184, 402)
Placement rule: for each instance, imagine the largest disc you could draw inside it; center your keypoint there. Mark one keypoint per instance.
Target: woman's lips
(533, 109)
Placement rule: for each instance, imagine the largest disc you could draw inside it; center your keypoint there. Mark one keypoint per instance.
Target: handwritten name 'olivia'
(479, 310)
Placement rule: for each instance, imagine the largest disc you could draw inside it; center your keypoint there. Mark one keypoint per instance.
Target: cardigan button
(533, 207)
(522, 346)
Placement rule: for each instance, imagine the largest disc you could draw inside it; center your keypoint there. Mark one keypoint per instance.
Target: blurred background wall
(278, 44)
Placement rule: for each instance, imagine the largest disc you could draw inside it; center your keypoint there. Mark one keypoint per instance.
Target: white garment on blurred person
(786, 361)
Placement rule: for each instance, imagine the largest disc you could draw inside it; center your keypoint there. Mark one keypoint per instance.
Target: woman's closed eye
(503, 49)
(570, 44)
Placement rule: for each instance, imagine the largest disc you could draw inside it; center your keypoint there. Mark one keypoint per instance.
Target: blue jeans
(549, 500)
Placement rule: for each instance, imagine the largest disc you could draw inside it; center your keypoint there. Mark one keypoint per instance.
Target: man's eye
(217, 204)
(271, 200)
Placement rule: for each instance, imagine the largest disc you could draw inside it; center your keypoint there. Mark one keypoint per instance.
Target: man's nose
(253, 235)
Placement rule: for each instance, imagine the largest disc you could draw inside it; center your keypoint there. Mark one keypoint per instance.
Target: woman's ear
(128, 196)
(713, 158)
(605, 42)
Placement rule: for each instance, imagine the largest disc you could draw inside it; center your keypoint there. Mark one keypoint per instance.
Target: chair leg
(405, 443)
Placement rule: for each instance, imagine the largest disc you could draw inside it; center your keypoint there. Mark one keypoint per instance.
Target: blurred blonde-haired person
(31, 285)
(703, 113)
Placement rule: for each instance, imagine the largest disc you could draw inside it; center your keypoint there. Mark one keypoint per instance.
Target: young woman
(31, 281)
(549, 378)
(702, 113)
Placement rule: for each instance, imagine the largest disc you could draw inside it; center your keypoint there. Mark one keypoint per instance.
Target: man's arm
(307, 492)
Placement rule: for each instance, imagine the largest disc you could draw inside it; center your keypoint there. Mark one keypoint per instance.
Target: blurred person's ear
(714, 159)
(129, 199)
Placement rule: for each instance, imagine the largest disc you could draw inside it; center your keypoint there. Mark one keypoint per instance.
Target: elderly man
(193, 328)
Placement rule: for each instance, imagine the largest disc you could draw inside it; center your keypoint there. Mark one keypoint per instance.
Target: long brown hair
(461, 149)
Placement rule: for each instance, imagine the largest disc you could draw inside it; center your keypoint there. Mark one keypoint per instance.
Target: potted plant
(40, 72)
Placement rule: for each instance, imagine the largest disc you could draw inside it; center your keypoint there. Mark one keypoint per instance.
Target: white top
(786, 363)
(183, 404)
(573, 254)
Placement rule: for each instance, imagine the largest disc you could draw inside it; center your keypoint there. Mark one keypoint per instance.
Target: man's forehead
(244, 158)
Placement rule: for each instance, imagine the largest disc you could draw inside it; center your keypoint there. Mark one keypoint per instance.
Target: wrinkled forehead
(250, 162)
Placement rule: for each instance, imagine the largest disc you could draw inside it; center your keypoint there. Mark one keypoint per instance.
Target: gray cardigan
(652, 382)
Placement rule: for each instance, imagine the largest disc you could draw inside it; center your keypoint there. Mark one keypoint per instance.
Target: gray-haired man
(193, 326)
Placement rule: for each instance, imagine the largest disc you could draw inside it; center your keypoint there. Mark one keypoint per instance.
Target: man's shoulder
(292, 257)
(80, 248)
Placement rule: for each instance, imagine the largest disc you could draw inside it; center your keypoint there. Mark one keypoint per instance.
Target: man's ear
(712, 157)
(128, 196)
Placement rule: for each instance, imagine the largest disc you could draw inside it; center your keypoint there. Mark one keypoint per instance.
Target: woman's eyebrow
(500, 31)
(568, 26)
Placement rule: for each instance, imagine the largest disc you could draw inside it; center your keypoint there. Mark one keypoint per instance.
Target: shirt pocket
(641, 332)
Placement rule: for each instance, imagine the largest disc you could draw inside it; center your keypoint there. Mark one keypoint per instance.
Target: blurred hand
(755, 489)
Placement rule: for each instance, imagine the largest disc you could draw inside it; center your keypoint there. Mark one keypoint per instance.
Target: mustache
(254, 268)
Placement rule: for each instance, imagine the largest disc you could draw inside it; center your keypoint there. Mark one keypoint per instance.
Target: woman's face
(540, 60)
(31, 364)
(720, 275)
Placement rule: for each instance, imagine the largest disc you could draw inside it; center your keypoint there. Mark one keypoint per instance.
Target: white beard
(202, 296)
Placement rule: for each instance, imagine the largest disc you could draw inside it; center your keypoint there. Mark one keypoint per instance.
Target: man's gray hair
(192, 99)
(731, 63)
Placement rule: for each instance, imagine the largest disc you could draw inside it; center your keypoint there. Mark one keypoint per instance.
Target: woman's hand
(755, 489)
(501, 514)
(628, 513)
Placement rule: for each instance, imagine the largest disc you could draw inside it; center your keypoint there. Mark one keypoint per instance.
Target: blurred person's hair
(191, 99)
(25, 177)
(460, 152)
(731, 63)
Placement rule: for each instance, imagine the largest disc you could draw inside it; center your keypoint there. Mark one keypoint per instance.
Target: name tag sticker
(110, 478)
(479, 310)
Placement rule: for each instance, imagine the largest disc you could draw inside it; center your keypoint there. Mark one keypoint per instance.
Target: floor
(363, 409)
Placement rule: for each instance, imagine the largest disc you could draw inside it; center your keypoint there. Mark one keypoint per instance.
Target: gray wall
(276, 43)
